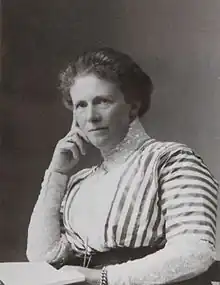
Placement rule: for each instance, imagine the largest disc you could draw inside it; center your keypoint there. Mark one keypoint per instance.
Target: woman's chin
(98, 142)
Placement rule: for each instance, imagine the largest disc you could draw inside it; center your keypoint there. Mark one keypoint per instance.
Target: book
(36, 273)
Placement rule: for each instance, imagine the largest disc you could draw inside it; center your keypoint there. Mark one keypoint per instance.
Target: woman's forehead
(88, 86)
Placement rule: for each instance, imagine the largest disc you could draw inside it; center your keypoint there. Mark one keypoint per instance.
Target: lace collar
(135, 137)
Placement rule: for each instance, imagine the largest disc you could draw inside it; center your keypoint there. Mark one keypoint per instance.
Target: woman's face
(100, 110)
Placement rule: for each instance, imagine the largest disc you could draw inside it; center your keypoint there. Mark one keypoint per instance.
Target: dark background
(176, 42)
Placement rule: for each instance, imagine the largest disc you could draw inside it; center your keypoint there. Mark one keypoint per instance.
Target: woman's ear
(134, 110)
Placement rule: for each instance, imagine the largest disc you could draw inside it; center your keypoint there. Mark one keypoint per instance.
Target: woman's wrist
(52, 175)
(54, 169)
(54, 185)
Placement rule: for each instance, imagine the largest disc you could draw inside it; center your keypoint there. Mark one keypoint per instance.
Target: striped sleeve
(188, 195)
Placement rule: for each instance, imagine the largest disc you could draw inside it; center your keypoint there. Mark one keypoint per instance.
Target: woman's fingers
(75, 129)
(74, 122)
(68, 150)
(72, 132)
(78, 140)
(81, 145)
(75, 151)
(80, 132)
(70, 146)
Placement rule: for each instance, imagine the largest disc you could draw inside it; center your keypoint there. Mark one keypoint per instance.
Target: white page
(36, 273)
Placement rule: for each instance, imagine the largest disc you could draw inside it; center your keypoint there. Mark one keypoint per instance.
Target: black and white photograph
(109, 142)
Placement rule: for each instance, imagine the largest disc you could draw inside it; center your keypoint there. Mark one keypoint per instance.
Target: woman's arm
(189, 205)
(45, 242)
(182, 259)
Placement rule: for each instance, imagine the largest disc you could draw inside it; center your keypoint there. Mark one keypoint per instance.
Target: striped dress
(162, 190)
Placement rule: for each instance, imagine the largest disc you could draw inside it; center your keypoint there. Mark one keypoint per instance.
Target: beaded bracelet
(103, 277)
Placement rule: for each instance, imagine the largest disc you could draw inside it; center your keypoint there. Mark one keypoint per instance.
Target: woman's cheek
(110, 114)
(80, 118)
(119, 112)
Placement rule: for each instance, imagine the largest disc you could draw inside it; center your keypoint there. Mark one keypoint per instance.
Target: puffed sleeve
(188, 196)
(188, 201)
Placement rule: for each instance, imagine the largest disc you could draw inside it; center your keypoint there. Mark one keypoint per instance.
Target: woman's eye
(81, 105)
(104, 101)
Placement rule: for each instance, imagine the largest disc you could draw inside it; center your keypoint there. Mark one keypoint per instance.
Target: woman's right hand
(68, 151)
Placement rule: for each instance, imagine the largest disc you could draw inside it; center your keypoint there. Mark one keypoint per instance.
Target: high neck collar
(135, 136)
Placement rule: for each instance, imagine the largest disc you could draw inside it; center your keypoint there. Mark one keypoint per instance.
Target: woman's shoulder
(161, 148)
(162, 153)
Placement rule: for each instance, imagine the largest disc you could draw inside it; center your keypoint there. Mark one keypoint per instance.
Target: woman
(147, 213)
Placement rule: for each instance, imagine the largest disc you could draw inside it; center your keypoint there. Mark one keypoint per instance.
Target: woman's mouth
(98, 129)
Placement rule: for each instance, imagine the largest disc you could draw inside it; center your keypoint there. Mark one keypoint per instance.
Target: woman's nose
(93, 115)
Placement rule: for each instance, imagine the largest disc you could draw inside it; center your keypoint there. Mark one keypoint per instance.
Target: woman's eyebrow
(100, 96)
(76, 103)
(104, 96)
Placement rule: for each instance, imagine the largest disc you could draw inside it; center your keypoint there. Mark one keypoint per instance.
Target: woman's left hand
(92, 276)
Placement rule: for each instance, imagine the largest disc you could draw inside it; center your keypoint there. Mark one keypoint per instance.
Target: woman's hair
(114, 66)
